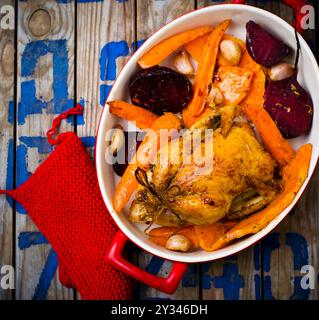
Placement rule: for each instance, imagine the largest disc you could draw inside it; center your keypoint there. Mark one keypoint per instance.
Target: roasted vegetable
(160, 89)
(205, 70)
(234, 83)
(290, 106)
(252, 106)
(158, 53)
(143, 118)
(263, 47)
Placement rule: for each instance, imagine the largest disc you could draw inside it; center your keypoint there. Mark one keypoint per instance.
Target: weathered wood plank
(236, 277)
(151, 15)
(45, 88)
(295, 242)
(105, 41)
(6, 136)
(105, 36)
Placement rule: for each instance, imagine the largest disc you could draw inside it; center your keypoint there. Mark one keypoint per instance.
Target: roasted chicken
(179, 190)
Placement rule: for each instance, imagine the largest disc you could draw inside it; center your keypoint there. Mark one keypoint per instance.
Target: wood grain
(6, 135)
(151, 15)
(52, 21)
(99, 24)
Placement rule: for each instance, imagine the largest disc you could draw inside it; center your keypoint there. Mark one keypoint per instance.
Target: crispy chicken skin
(240, 181)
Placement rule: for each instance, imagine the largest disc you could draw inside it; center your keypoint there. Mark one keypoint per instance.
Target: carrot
(294, 175)
(161, 51)
(253, 107)
(234, 83)
(143, 118)
(189, 120)
(143, 158)
(195, 48)
(277, 146)
(205, 69)
(209, 234)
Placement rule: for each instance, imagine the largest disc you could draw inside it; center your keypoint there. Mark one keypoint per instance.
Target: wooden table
(62, 52)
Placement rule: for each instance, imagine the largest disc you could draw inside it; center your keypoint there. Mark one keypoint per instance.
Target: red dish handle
(296, 5)
(115, 258)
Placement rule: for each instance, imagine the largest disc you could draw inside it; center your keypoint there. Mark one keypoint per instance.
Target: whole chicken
(179, 189)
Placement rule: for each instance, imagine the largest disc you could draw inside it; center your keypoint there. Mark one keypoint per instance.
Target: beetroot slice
(160, 89)
(263, 47)
(290, 106)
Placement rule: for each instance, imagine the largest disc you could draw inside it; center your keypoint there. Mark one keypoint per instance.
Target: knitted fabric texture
(63, 199)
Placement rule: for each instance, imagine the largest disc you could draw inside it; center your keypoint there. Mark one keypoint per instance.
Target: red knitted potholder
(63, 199)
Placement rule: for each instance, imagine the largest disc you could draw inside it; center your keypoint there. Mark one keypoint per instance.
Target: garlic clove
(281, 71)
(178, 242)
(215, 97)
(117, 139)
(183, 64)
(231, 51)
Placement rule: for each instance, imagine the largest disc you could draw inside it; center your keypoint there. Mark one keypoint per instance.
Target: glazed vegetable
(158, 53)
(144, 119)
(160, 89)
(206, 69)
(234, 83)
(290, 106)
(294, 175)
(253, 108)
(263, 47)
(142, 159)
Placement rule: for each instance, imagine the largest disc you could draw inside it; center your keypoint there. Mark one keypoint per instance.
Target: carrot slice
(205, 69)
(144, 119)
(143, 158)
(234, 83)
(294, 175)
(161, 51)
